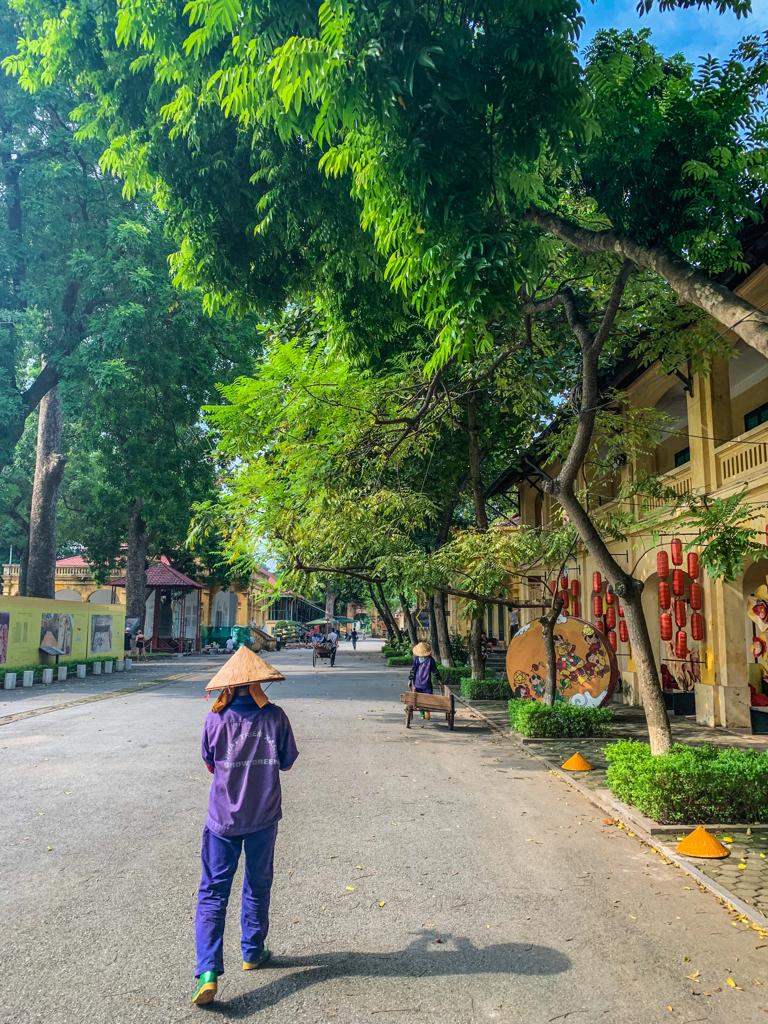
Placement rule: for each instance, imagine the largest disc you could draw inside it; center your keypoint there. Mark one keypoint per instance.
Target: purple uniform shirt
(421, 674)
(247, 746)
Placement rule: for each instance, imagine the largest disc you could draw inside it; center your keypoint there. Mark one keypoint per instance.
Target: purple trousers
(220, 855)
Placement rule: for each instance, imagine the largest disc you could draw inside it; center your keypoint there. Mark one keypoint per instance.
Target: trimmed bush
(531, 718)
(489, 688)
(397, 660)
(695, 785)
(454, 674)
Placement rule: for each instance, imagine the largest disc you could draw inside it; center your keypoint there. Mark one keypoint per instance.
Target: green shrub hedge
(397, 660)
(453, 674)
(489, 688)
(531, 718)
(695, 785)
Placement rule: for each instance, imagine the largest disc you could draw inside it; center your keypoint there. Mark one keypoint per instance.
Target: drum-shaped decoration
(576, 607)
(665, 599)
(693, 564)
(564, 598)
(623, 631)
(587, 671)
(610, 597)
(610, 617)
(680, 614)
(697, 626)
(676, 547)
(597, 582)
(662, 564)
(597, 605)
(665, 626)
(678, 582)
(575, 588)
(695, 596)
(563, 582)
(612, 639)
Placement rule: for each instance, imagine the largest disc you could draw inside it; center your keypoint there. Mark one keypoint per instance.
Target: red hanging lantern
(680, 614)
(575, 588)
(563, 582)
(621, 612)
(697, 626)
(693, 564)
(597, 605)
(564, 596)
(598, 624)
(662, 564)
(681, 644)
(610, 597)
(676, 547)
(678, 582)
(575, 608)
(665, 626)
(623, 632)
(597, 583)
(664, 597)
(612, 639)
(695, 596)
(610, 617)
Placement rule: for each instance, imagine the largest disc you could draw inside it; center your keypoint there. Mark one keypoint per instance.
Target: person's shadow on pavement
(423, 958)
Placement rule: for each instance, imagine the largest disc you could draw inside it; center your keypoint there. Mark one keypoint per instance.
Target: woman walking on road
(423, 668)
(247, 742)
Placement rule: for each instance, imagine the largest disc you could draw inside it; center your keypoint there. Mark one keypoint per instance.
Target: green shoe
(206, 989)
(262, 959)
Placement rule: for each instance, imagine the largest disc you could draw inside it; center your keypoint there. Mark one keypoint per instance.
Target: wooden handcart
(323, 652)
(438, 702)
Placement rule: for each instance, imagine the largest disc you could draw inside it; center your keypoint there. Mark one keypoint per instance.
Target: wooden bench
(440, 702)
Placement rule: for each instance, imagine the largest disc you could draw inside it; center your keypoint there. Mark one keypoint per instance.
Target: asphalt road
(422, 876)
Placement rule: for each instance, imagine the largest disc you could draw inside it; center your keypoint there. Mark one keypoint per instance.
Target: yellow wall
(24, 629)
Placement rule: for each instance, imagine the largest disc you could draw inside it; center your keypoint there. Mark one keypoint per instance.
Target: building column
(723, 696)
(709, 423)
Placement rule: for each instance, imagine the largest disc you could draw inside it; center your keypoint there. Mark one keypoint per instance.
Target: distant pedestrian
(140, 645)
(354, 639)
(247, 742)
(230, 644)
(423, 668)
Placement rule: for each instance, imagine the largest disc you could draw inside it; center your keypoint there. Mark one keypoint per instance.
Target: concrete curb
(633, 823)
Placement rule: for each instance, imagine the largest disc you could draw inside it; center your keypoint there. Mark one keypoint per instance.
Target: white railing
(678, 480)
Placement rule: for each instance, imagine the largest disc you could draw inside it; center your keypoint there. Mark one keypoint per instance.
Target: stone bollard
(96, 667)
(28, 678)
(9, 683)
(108, 667)
(128, 664)
(47, 676)
(119, 666)
(81, 671)
(61, 675)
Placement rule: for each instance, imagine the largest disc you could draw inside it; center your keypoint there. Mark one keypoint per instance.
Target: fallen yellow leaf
(669, 1009)
(693, 975)
(350, 888)
(742, 866)
(732, 984)
(382, 903)
(727, 839)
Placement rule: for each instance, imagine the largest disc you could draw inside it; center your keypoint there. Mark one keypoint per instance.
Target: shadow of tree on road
(424, 957)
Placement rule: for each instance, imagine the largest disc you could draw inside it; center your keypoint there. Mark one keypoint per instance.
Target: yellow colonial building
(715, 443)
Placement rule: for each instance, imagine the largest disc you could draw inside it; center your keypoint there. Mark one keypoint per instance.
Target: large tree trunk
(24, 570)
(135, 573)
(396, 631)
(629, 590)
(548, 630)
(434, 639)
(476, 662)
(330, 604)
(694, 286)
(388, 624)
(49, 469)
(410, 622)
(441, 624)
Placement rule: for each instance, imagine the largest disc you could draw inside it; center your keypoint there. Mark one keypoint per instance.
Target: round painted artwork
(587, 671)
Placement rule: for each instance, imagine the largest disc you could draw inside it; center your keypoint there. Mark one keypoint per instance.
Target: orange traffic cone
(577, 763)
(701, 843)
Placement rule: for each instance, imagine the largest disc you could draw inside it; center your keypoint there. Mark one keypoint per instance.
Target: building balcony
(743, 461)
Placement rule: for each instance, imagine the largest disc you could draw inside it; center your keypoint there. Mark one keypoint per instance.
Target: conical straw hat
(242, 668)
(701, 843)
(422, 650)
(577, 763)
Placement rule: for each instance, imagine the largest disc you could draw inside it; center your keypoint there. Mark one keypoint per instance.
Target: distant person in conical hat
(423, 667)
(247, 742)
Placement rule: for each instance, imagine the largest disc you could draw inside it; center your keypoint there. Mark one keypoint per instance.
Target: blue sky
(693, 32)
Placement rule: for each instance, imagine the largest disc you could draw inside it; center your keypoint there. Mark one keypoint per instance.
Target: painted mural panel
(5, 629)
(57, 630)
(101, 634)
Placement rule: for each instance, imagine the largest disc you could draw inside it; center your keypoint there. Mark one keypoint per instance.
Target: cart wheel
(314, 657)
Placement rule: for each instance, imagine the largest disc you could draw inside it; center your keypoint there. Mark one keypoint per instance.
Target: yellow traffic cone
(701, 843)
(577, 763)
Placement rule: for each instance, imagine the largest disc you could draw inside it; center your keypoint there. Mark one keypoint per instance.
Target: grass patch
(696, 785)
(531, 718)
